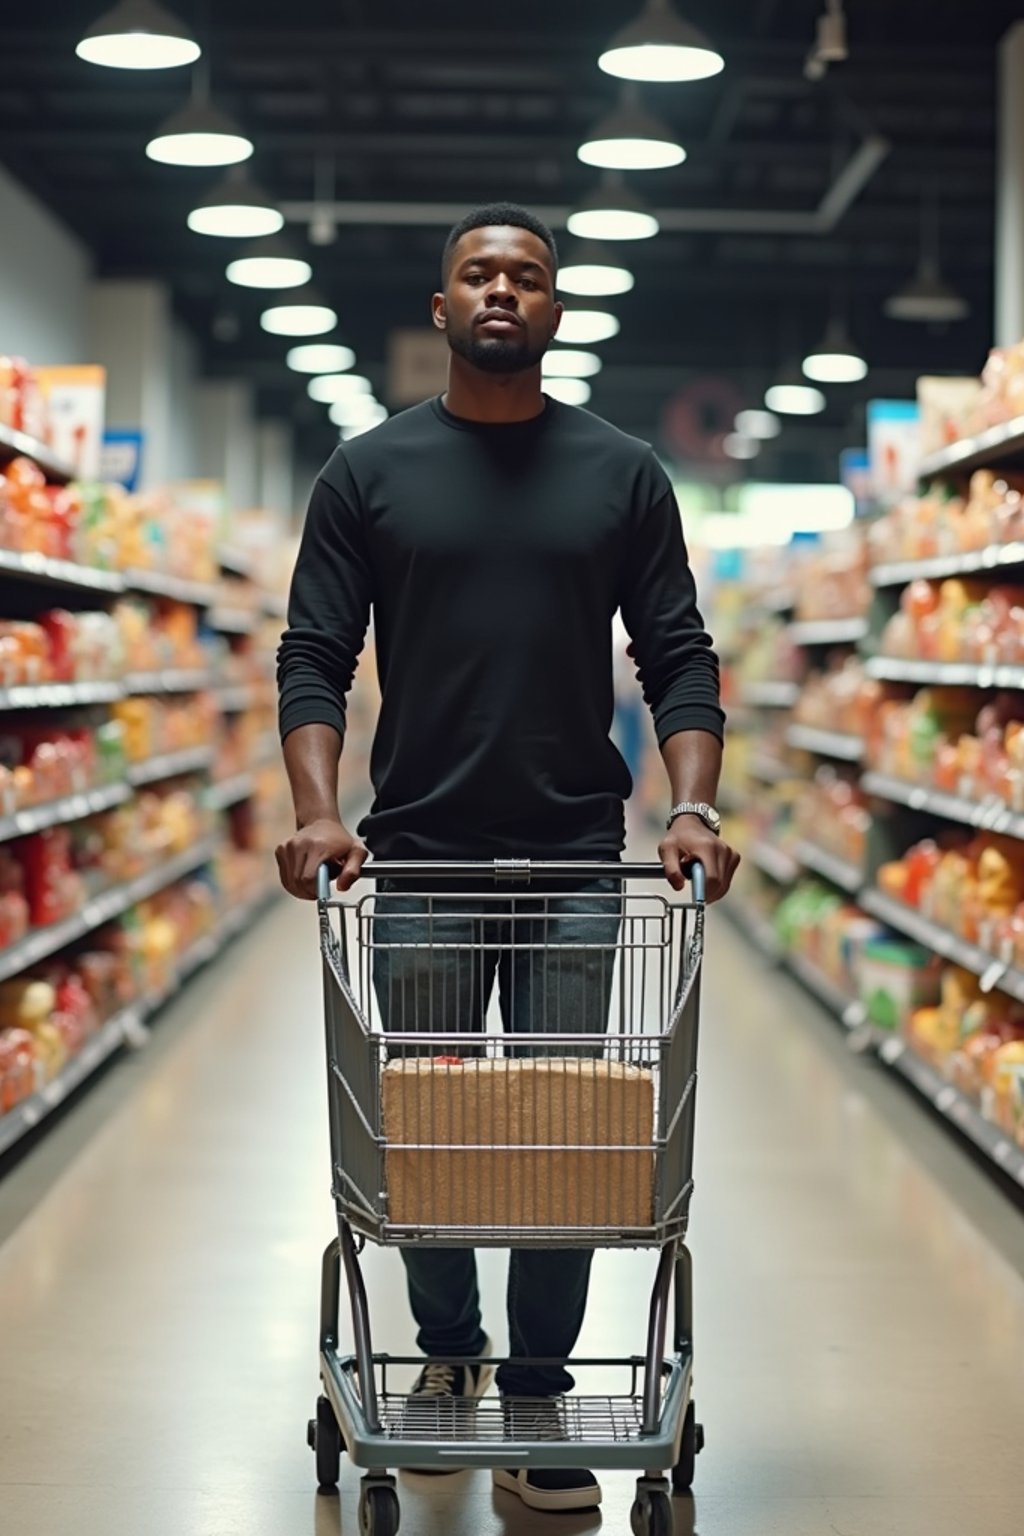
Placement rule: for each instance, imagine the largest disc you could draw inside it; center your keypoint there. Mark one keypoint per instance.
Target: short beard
(496, 354)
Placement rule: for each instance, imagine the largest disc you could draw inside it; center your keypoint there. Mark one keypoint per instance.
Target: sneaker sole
(547, 1501)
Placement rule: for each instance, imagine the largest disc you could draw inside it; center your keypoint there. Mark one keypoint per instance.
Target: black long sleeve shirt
(494, 559)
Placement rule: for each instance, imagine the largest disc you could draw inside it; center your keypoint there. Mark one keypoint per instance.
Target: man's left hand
(687, 839)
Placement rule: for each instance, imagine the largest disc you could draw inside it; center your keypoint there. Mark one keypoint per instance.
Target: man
(495, 533)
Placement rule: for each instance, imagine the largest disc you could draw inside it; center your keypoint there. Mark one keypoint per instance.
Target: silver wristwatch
(707, 813)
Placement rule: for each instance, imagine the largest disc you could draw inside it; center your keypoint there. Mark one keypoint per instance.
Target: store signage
(121, 458)
(894, 448)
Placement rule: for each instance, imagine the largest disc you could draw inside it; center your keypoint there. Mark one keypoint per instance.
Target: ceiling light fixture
(269, 264)
(790, 397)
(356, 411)
(199, 134)
(735, 445)
(358, 428)
(568, 391)
(836, 360)
(660, 46)
(595, 271)
(331, 387)
(584, 327)
(613, 211)
(760, 424)
(305, 314)
(323, 226)
(927, 298)
(564, 363)
(138, 34)
(321, 357)
(630, 139)
(236, 208)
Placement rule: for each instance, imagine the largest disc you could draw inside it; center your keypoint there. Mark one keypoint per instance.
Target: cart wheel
(651, 1515)
(378, 1512)
(690, 1445)
(324, 1438)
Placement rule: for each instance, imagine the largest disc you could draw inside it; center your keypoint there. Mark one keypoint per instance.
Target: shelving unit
(169, 765)
(967, 674)
(36, 818)
(172, 681)
(774, 862)
(229, 792)
(769, 770)
(60, 695)
(16, 445)
(233, 621)
(837, 744)
(63, 574)
(849, 877)
(990, 816)
(996, 448)
(771, 694)
(814, 632)
(176, 588)
(994, 557)
(949, 946)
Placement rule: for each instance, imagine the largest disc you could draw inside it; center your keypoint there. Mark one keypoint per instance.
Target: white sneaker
(443, 1400)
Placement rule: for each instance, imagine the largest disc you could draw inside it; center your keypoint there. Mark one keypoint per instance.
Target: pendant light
(660, 46)
(613, 211)
(331, 387)
(199, 134)
(303, 313)
(836, 360)
(792, 397)
(236, 208)
(927, 298)
(593, 270)
(321, 357)
(583, 327)
(568, 391)
(269, 264)
(566, 363)
(736, 445)
(760, 424)
(350, 430)
(357, 411)
(630, 139)
(138, 34)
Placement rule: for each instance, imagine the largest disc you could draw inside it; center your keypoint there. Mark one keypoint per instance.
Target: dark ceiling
(454, 104)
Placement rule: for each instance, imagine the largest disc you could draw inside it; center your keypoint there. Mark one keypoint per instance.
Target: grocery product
(895, 978)
(831, 812)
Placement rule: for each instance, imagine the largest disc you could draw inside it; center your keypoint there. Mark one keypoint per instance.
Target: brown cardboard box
(495, 1143)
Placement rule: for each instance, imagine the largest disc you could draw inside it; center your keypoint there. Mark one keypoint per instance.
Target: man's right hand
(321, 842)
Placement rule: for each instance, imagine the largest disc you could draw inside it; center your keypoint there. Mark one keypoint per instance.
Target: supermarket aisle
(859, 1335)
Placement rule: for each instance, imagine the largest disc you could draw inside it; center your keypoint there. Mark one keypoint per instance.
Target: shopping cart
(575, 1129)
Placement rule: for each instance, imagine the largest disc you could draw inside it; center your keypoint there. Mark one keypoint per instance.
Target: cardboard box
(496, 1143)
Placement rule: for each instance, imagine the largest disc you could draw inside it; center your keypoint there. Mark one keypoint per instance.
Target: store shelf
(948, 945)
(59, 695)
(35, 818)
(995, 557)
(173, 680)
(16, 445)
(753, 926)
(233, 621)
(774, 862)
(771, 695)
(124, 1026)
(849, 877)
(951, 674)
(267, 750)
(828, 631)
(838, 744)
(275, 605)
(177, 589)
(777, 602)
(990, 815)
(769, 770)
(43, 942)
(846, 1008)
(954, 1107)
(42, 571)
(235, 562)
(229, 791)
(169, 765)
(235, 699)
(995, 448)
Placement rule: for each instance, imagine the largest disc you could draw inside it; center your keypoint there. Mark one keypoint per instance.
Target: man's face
(499, 310)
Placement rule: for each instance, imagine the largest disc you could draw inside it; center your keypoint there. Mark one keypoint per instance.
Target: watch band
(707, 814)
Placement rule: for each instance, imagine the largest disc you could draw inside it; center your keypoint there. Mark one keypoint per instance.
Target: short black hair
(497, 214)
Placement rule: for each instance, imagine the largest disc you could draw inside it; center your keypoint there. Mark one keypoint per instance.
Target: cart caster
(378, 1510)
(651, 1514)
(324, 1437)
(690, 1448)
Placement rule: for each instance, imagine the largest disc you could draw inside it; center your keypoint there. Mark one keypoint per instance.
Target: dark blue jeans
(561, 984)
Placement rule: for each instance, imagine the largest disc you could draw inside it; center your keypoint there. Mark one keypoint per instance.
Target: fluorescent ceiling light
(736, 446)
(594, 271)
(138, 34)
(269, 264)
(836, 360)
(793, 399)
(300, 317)
(613, 211)
(569, 391)
(660, 46)
(320, 357)
(630, 139)
(564, 363)
(927, 298)
(199, 134)
(235, 208)
(759, 424)
(357, 411)
(583, 327)
(330, 387)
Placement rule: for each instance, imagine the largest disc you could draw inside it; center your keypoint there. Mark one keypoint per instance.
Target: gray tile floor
(860, 1300)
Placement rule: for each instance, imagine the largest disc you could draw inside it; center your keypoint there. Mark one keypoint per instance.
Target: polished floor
(860, 1288)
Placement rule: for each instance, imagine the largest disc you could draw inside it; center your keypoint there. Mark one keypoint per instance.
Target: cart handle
(513, 871)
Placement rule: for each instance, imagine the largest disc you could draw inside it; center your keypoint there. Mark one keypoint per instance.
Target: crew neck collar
(495, 428)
